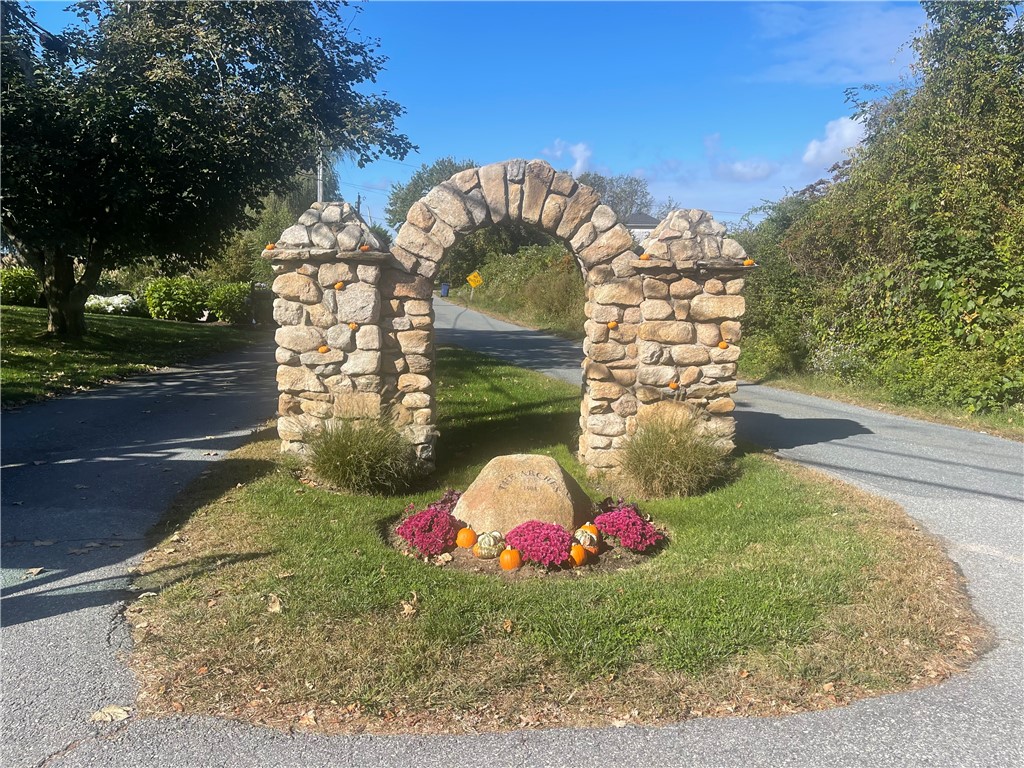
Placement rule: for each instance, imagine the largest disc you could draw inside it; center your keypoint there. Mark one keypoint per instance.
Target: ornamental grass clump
(669, 457)
(624, 522)
(547, 544)
(434, 529)
(361, 457)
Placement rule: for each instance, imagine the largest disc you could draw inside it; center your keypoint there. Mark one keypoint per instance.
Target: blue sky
(718, 105)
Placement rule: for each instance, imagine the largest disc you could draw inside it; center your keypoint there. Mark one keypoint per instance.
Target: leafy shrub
(176, 298)
(122, 304)
(556, 296)
(19, 285)
(624, 522)
(361, 457)
(547, 544)
(230, 302)
(667, 456)
(432, 530)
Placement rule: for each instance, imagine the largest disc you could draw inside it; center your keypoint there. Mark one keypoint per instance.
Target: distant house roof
(640, 221)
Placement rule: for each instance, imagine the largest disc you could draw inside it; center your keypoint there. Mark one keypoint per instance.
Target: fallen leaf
(142, 625)
(620, 723)
(178, 706)
(144, 595)
(285, 575)
(409, 606)
(170, 551)
(34, 571)
(202, 670)
(211, 602)
(507, 625)
(308, 718)
(744, 673)
(828, 687)
(274, 604)
(176, 537)
(42, 543)
(80, 487)
(112, 713)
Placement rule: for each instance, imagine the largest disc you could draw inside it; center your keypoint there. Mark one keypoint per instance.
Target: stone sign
(513, 489)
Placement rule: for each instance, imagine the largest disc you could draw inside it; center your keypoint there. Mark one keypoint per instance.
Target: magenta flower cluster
(624, 522)
(432, 530)
(546, 544)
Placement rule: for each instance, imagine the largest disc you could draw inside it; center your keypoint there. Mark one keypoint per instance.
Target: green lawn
(778, 592)
(35, 365)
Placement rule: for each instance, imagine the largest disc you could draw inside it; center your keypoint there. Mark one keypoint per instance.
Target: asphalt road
(84, 478)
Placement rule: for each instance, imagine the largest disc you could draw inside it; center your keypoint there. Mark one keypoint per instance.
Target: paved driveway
(99, 469)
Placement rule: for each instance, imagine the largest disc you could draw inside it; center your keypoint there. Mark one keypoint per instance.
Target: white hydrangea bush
(122, 304)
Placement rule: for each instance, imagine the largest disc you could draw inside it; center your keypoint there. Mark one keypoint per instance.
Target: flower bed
(620, 536)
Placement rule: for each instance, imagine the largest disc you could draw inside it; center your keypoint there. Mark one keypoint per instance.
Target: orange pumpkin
(339, 286)
(364, 248)
(271, 246)
(592, 530)
(612, 325)
(645, 257)
(723, 345)
(465, 538)
(323, 349)
(510, 559)
(354, 326)
(578, 555)
(748, 262)
(673, 385)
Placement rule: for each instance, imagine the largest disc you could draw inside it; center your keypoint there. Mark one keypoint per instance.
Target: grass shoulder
(37, 365)
(282, 604)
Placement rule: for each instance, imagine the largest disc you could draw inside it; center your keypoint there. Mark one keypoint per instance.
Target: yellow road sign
(475, 280)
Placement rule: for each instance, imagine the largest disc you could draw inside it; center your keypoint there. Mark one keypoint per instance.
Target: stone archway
(357, 322)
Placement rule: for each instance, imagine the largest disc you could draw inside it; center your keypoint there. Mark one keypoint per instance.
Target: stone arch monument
(356, 321)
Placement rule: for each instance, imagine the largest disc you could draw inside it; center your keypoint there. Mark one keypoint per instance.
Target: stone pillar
(328, 306)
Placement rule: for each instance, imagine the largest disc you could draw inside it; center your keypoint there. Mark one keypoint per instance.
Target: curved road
(84, 478)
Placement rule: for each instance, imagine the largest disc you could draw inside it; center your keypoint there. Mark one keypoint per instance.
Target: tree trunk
(65, 298)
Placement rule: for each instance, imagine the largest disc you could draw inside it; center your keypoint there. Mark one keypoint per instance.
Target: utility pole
(320, 174)
(359, 202)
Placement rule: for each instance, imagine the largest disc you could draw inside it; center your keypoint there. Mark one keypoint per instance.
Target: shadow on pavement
(85, 478)
(18, 609)
(771, 431)
(528, 349)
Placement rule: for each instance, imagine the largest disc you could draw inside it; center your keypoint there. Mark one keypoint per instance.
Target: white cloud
(836, 43)
(840, 135)
(580, 153)
(746, 170)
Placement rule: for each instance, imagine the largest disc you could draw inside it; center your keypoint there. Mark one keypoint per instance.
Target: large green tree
(914, 247)
(624, 194)
(157, 128)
